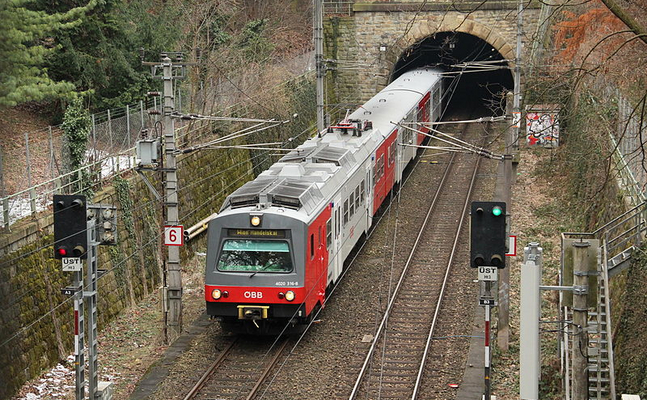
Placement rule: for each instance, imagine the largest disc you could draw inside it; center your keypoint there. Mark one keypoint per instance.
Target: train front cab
(263, 277)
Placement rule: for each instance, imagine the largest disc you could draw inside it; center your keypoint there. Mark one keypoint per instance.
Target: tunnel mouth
(476, 70)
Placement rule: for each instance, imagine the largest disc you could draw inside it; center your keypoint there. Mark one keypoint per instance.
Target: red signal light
(62, 251)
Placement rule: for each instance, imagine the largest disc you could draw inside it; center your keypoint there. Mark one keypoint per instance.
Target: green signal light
(496, 211)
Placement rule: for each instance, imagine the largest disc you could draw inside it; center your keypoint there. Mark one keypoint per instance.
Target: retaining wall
(36, 320)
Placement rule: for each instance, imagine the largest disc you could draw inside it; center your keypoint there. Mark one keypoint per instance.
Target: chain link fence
(629, 140)
(32, 171)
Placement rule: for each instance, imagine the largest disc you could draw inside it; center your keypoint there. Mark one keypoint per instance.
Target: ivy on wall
(76, 126)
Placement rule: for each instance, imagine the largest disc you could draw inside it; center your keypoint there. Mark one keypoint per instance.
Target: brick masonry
(355, 39)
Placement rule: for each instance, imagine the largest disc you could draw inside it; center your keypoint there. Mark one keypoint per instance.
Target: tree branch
(627, 19)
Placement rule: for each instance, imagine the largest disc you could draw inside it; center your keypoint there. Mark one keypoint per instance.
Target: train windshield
(255, 255)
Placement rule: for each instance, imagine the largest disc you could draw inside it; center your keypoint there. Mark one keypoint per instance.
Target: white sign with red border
(72, 264)
(174, 235)
(512, 246)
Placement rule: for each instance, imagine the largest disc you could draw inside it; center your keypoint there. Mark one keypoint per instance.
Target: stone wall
(36, 328)
(368, 43)
(36, 320)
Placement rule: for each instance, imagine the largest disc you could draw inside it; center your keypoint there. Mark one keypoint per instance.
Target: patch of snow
(19, 207)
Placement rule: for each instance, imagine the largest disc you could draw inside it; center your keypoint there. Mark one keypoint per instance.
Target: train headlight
(289, 295)
(255, 220)
(216, 294)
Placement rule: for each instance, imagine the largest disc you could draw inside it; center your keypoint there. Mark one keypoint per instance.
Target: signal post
(78, 229)
(488, 242)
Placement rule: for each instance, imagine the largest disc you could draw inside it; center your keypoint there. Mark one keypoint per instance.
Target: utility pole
(172, 279)
(516, 107)
(319, 63)
(580, 317)
(172, 272)
(511, 145)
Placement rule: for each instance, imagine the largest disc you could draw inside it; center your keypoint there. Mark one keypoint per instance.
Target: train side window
(357, 197)
(380, 167)
(329, 233)
(423, 112)
(392, 153)
(361, 192)
(376, 171)
(352, 204)
(312, 246)
(337, 221)
(345, 212)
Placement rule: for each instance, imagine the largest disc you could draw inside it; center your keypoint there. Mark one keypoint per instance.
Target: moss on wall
(36, 320)
(630, 323)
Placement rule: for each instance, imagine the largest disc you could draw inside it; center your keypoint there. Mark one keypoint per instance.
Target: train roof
(307, 177)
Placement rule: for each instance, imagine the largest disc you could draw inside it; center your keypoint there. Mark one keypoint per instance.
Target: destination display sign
(264, 233)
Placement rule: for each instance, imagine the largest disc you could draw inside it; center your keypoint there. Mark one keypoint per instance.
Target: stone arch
(452, 23)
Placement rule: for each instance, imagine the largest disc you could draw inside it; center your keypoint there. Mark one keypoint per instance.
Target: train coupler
(252, 312)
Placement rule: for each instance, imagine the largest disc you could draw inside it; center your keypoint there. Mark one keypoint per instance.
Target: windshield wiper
(260, 270)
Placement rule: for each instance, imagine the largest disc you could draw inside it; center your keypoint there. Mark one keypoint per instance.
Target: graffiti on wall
(542, 126)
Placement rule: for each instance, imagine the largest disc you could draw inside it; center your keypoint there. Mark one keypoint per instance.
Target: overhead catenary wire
(152, 240)
(458, 145)
(143, 205)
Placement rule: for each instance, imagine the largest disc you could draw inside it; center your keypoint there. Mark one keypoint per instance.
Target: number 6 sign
(174, 235)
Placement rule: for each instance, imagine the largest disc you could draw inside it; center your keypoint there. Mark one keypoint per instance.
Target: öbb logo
(253, 295)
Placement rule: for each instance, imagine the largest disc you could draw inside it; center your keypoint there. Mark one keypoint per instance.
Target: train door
(368, 197)
(335, 254)
(398, 154)
(370, 186)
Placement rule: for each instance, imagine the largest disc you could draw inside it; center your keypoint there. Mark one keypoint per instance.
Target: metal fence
(30, 173)
(36, 169)
(340, 7)
(629, 139)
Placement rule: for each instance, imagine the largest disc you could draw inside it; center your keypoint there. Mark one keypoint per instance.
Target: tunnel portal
(475, 69)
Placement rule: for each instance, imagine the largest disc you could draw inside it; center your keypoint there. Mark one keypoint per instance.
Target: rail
(387, 313)
(243, 385)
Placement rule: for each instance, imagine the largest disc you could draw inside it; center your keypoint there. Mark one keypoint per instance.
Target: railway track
(239, 370)
(325, 361)
(394, 366)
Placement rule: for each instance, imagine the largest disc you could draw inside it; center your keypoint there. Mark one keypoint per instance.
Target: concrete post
(173, 281)
(503, 322)
(530, 369)
(580, 317)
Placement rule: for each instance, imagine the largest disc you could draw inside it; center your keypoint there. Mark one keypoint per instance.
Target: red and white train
(280, 240)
